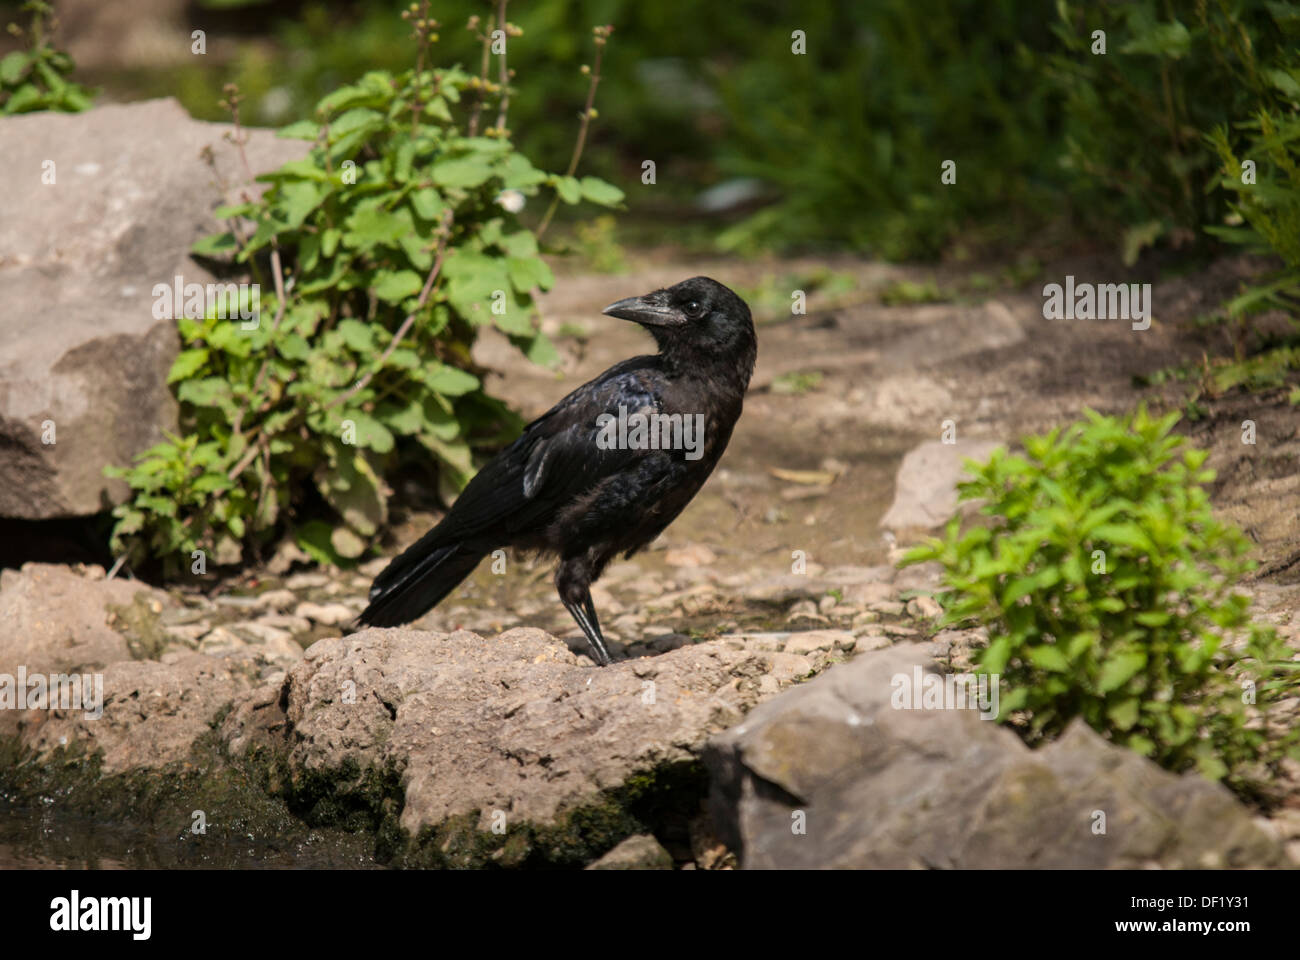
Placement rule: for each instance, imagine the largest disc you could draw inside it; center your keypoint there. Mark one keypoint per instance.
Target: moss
(351, 814)
(140, 625)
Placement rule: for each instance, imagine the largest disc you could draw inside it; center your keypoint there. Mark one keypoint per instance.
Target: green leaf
(529, 272)
(187, 363)
(1119, 669)
(461, 173)
(428, 203)
(13, 66)
(394, 286)
(1050, 658)
(600, 192)
(302, 130)
(449, 381)
(214, 245)
(569, 189)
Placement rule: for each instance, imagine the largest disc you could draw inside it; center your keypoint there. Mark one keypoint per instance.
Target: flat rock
(516, 723)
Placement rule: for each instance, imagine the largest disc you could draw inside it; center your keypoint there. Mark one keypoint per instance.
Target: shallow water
(41, 839)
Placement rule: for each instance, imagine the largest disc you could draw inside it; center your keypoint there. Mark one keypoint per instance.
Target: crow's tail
(416, 581)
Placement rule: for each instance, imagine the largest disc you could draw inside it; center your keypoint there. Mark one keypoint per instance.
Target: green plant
(389, 245)
(37, 78)
(1106, 585)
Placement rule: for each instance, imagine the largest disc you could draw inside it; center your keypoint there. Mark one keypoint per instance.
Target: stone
(83, 353)
(886, 788)
(640, 852)
(925, 488)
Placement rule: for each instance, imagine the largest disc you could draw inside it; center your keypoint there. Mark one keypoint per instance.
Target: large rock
(515, 723)
(894, 788)
(79, 258)
(925, 489)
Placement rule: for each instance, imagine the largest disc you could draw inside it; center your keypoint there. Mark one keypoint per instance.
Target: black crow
(605, 470)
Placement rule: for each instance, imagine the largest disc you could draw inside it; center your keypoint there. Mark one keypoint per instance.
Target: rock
(220, 640)
(152, 712)
(329, 614)
(890, 608)
(278, 600)
(640, 852)
(925, 488)
(924, 608)
(810, 641)
(865, 594)
(695, 555)
(52, 619)
(516, 723)
(82, 350)
(944, 788)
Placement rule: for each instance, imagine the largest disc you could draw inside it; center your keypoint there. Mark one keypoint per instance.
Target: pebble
(924, 608)
(330, 614)
(306, 581)
(694, 555)
(278, 599)
(890, 608)
(810, 641)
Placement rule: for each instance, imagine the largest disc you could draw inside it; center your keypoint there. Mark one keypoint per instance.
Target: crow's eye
(694, 310)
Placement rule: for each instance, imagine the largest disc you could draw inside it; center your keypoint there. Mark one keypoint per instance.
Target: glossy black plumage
(557, 490)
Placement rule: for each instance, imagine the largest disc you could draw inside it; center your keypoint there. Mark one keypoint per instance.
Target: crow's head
(697, 317)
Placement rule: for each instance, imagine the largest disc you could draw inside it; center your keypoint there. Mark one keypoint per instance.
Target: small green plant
(597, 245)
(37, 78)
(1107, 587)
(389, 245)
(907, 292)
(797, 382)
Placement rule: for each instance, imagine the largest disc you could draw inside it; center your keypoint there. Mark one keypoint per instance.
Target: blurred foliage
(390, 244)
(1108, 590)
(37, 77)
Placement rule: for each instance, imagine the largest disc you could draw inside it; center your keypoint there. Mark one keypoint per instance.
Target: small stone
(895, 630)
(786, 667)
(924, 608)
(872, 641)
(811, 641)
(641, 852)
(277, 600)
(306, 581)
(220, 640)
(694, 555)
(890, 608)
(865, 594)
(329, 614)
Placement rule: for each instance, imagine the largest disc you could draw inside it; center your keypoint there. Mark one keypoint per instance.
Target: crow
(605, 470)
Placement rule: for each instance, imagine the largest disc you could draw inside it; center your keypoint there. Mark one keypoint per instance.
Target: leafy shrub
(389, 246)
(1135, 117)
(1107, 588)
(37, 78)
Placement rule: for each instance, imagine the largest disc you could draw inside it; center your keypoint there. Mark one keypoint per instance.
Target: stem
(582, 133)
(501, 63)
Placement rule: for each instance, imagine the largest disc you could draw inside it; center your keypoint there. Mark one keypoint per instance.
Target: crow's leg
(573, 582)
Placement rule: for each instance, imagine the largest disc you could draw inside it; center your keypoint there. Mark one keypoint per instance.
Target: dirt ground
(876, 381)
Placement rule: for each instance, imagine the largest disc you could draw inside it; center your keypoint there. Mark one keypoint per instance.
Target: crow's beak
(644, 310)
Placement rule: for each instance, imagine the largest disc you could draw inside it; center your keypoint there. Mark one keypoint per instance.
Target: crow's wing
(557, 458)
